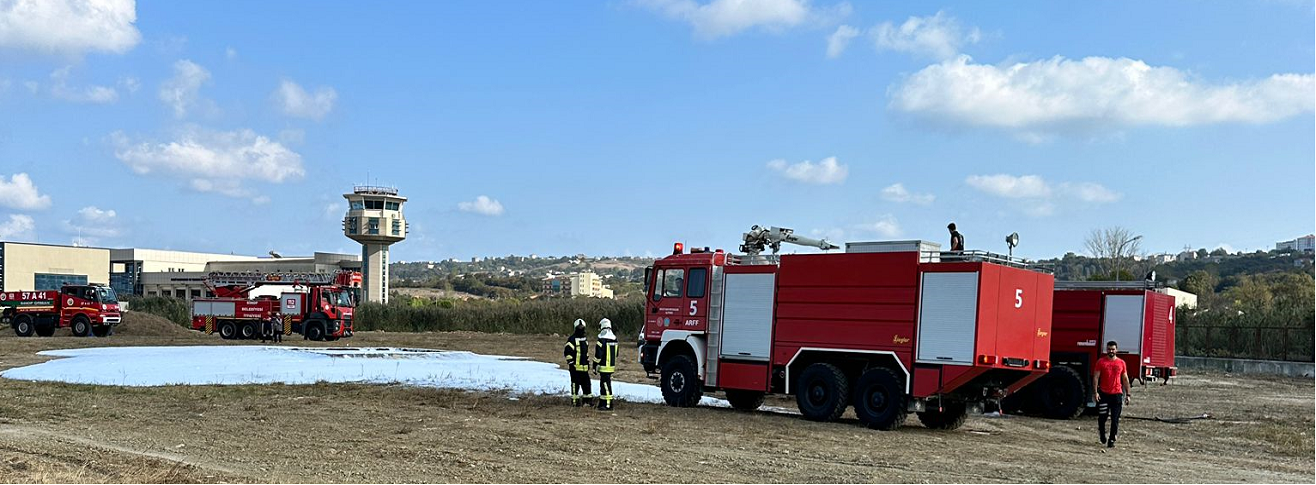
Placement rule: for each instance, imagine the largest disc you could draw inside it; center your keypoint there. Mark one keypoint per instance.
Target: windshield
(106, 295)
(338, 298)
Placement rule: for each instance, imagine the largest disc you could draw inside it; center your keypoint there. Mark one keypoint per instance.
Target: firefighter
(956, 239)
(278, 327)
(577, 354)
(605, 362)
(267, 327)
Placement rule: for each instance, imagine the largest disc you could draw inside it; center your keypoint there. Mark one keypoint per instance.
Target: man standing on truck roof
(605, 362)
(956, 239)
(1110, 388)
(577, 353)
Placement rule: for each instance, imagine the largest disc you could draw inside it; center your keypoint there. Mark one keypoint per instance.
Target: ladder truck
(317, 305)
(889, 328)
(84, 309)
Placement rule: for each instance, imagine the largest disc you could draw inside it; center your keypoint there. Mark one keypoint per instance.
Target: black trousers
(605, 390)
(580, 386)
(1110, 405)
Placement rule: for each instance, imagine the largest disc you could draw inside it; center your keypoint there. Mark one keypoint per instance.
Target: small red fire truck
(317, 305)
(86, 309)
(886, 327)
(1087, 315)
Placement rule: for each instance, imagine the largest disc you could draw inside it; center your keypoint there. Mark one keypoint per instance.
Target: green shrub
(173, 309)
(542, 316)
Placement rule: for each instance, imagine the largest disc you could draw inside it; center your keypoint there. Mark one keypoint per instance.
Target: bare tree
(1113, 248)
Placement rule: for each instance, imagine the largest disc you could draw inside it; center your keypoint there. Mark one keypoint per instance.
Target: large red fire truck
(86, 309)
(887, 327)
(1087, 315)
(317, 305)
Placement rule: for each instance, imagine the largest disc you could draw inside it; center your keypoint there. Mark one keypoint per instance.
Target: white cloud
(93, 223)
(296, 102)
(1035, 99)
(32, 86)
(825, 172)
(939, 36)
(89, 94)
(1090, 192)
(217, 162)
(839, 40)
(721, 18)
(130, 83)
(231, 53)
(897, 193)
(482, 205)
(180, 91)
(886, 226)
(19, 228)
(1035, 196)
(20, 193)
(69, 26)
(1009, 186)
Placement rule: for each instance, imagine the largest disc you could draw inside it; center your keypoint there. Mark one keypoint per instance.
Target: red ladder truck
(317, 305)
(886, 327)
(85, 309)
(1087, 315)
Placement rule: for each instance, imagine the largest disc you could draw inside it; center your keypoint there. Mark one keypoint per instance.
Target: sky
(620, 127)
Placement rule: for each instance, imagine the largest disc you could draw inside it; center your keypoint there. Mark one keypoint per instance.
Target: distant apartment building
(577, 284)
(1303, 244)
(1161, 258)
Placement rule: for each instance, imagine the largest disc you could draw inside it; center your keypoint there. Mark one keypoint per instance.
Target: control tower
(374, 219)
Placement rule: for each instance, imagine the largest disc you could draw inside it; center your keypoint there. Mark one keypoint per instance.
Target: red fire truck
(317, 305)
(86, 309)
(887, 327)
(1087, 315)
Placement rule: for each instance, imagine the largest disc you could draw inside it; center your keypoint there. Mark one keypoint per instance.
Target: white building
(1303, 243)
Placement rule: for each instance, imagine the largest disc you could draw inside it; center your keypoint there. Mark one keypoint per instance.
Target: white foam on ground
(231, 365)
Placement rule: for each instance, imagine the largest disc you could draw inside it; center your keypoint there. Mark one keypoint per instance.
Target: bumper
(110, 319)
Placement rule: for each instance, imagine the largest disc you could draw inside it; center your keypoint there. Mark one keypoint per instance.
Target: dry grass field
(1261, 432)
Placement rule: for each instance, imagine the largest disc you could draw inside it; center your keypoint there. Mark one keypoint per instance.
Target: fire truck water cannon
(758, 239)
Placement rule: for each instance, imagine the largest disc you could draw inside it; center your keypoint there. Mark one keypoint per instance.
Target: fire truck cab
(886, 327)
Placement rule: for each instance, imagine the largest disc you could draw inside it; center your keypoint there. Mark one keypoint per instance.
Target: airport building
(146, 272)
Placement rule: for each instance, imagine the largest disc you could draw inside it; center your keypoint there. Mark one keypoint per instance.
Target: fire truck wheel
(45, 329)
(821, 392)
(228, 331)
(680, 383)
(314, 330)
(745, 400)
(81, 327)
(248, 331)
(23, 326)
(1062, 394)
(879, 399)
(102, 331)
(951, 416)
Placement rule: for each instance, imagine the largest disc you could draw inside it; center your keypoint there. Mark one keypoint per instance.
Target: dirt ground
(1261, 432)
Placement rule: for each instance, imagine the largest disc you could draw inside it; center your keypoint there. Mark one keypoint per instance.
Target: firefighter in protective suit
(605, 362)
(577, 354)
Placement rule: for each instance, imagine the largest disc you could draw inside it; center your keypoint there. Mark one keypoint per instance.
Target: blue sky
(619, 127)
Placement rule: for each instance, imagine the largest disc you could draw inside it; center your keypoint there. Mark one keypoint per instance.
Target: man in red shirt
(1110, 390)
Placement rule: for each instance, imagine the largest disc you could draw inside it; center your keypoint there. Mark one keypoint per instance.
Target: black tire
(314, 330)
(822, 392)
(879, 399)
(745, 400)
(228, 330)
(23, 326)
(81, 326)
(45, 329)
(951, 416)
(1061, 394)
(680, 382)
(102, 331)
(247, 331)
